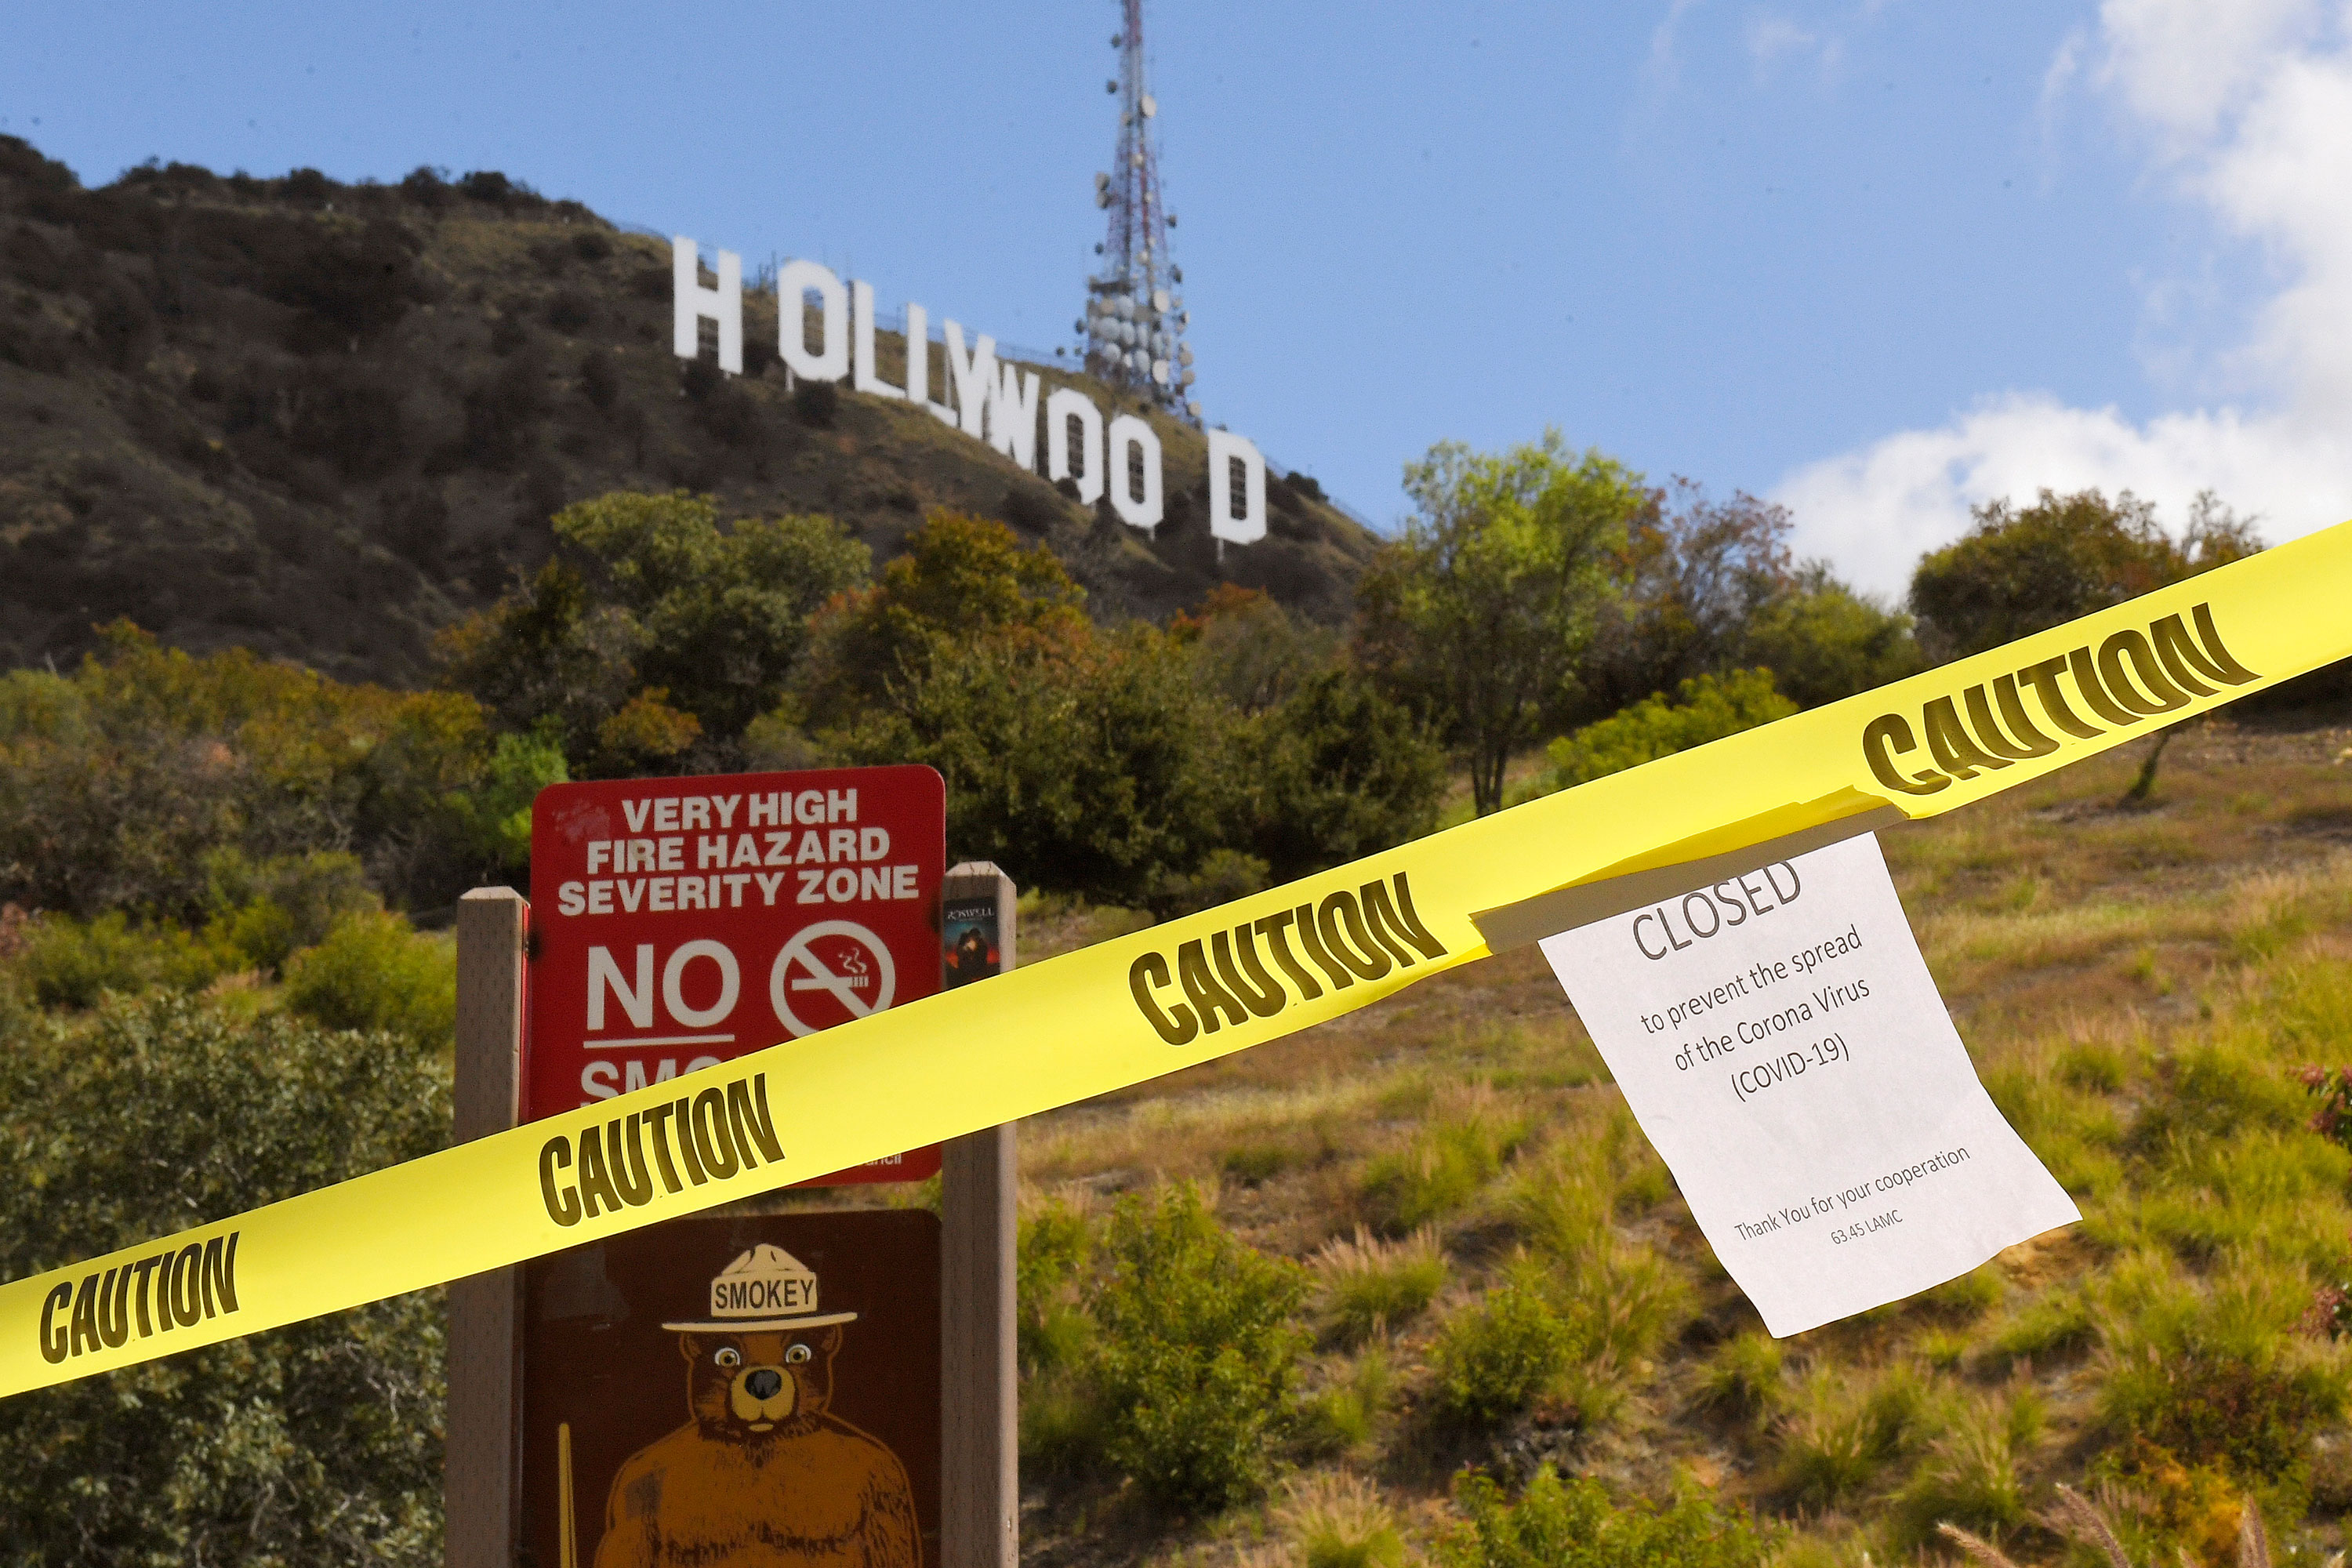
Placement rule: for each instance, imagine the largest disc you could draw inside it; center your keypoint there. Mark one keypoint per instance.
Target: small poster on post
(1780, 1039)
(968, 936)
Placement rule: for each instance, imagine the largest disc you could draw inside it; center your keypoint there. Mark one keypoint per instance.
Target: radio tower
(1134, 326)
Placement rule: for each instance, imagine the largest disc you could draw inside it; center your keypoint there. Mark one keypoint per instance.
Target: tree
(724, 613)
(547, 655)
(1823, 641)
(1710, 588)
(2018, 571)
(1166, 769)
(1092, 761)
(1481, 614)
(315, 1443)
(656, 628)
(1250, 650)
(1696, 572)
(146, 777)
(962, 578)
(1342, 771)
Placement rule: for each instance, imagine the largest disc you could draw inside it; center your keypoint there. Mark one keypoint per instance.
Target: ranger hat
(763, 1291)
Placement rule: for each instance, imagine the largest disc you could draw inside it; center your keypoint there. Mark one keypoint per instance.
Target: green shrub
(2090, 1066)
(1345, 1416)
(1254, 1164)
(374, 972)
(136, 782)
(1970, 1295)
(2216, 1089)
(1089, 758)
(265, 911)
(262, 933)
(2059, 1324)
(1704, 708)
(1339, 1522)
(1626, 1302)
(2266, 1191)
(1747, 1377)
(1198, 1354)
(1061, 1408)
(1844, 1435)
(1943, 1350)
(1222, 876)
(1439, 1171)
(1345, 772)
(1827, 1456)
(1563, 1202)
(1064, 1423)
(1573, 1524)
(1970, 1475)
(1621, 1302)
(2252, 1414)
(1371, 1286)
(1498, 1356)
(1056, 1244)
(652, 593)
(67, 963)
(316, 1443)
(1581, 1311)
(491, 817)
(261, 914)
(2018, 570)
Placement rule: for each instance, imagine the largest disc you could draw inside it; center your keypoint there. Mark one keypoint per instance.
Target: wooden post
(478, 1489)
(980, 1482)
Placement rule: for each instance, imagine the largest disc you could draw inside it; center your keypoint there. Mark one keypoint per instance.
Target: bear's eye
(797, 1354)
(727, 1355)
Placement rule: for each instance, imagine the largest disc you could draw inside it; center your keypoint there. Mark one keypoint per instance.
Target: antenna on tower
(1135, 321)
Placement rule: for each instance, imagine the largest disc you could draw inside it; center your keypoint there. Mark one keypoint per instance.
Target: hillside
(2138, 986)
(323, 420)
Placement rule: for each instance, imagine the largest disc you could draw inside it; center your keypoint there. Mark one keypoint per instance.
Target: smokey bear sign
(682, 922)
(716, 1392)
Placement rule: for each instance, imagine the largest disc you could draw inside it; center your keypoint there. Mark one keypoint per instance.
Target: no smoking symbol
(852, 966)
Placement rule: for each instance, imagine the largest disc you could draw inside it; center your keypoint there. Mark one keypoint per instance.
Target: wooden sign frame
(980, 1482)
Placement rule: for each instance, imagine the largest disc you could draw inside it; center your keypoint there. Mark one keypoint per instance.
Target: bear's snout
(762, 1396)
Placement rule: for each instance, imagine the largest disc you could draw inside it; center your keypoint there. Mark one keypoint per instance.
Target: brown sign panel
(725, 1393)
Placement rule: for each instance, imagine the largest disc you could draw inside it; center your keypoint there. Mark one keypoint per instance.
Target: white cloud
(1664, 67)
(1773, 38)
(1875, 512)
(2246, 110)
(1770, 36)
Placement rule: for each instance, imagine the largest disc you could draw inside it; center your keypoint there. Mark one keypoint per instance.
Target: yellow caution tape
(1189, 990)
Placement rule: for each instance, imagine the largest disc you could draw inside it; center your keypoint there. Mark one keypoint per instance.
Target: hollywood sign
(987, 400)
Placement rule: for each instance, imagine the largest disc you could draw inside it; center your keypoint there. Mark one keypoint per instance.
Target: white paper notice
(1780, 1041)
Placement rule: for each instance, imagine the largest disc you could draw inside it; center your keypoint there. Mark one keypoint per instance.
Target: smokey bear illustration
(763, 1472)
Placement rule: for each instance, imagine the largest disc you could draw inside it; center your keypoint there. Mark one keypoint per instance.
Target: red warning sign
(683, 923)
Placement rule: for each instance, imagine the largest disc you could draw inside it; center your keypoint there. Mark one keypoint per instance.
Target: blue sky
(1877, 260)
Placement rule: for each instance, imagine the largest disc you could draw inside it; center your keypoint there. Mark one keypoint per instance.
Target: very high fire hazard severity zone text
(679, 923)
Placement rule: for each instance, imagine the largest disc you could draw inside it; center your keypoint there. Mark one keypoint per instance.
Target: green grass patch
(1440, 1170)
(1370, 1287)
